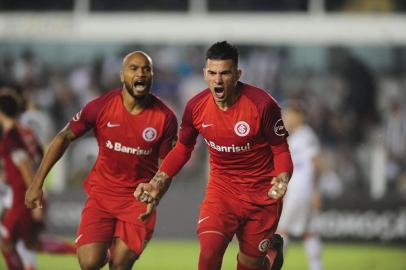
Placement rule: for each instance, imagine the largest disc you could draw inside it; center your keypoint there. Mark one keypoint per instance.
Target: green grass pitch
(183, 255)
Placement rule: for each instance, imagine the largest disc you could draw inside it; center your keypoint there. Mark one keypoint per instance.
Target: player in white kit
(302, 201)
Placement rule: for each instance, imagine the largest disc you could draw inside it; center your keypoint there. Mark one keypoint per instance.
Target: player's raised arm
(57, 148)
(173, 162)
(275, 131)
(169, 140)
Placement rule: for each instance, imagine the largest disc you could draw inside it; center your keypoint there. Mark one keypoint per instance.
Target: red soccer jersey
(129, 145)
(239, 140)
(16, 142)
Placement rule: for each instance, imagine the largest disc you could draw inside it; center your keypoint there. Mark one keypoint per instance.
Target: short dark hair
(223, 51)
(8, 105)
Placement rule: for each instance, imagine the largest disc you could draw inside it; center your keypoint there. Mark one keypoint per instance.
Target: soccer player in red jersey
(20, 152)
(250, 164)
(134, 129)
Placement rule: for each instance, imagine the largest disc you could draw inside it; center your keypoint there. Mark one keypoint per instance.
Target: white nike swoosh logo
(77, 239)
(112, 125)
(202, 219)
(206, 125)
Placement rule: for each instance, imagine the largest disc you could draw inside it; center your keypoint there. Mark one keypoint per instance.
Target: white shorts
(296, 216)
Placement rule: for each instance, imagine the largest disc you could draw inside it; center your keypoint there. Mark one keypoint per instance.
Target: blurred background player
(21, 153)
(250, 163)
(134, 129)
(28, 257)
(302, 199)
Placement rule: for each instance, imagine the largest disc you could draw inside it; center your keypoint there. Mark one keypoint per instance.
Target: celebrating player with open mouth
(134, 129)
(250, 165)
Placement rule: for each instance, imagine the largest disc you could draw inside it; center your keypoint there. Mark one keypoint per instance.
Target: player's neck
(229, 102)
(133, 105)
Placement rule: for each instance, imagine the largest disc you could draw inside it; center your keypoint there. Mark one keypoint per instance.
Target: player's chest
(231, 127)
(144, 130)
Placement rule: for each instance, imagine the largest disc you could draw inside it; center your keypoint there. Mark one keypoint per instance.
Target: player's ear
(205, 73)
(239, 72)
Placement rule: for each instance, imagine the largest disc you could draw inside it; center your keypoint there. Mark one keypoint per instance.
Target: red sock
(53, 245)
(13, 260)
(240, 266)
(212, 248)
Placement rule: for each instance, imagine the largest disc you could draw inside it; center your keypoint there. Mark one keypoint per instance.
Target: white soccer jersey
(304, 146)
(297, 209)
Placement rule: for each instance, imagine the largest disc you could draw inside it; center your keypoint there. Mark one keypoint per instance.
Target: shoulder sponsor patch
(279, 128)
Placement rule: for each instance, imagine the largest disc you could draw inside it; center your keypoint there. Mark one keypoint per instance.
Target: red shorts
(101, 223)
(18, 223)
(253, 225)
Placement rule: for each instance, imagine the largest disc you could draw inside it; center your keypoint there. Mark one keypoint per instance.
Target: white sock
(286, 242)
(28, 257)
(313, 249)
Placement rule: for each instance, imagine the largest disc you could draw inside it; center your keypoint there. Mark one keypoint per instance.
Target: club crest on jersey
(264, 245)
(76, 117)
(242, 128)
(149, 134)
(279, 128)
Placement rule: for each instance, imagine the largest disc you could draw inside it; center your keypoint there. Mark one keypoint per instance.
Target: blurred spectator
(359, 101)
(65, 105)
(28, 69)
(394, 128)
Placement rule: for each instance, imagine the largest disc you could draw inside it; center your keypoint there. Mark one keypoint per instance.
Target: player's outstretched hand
(147, 213)
(33, 197)
(279, 186)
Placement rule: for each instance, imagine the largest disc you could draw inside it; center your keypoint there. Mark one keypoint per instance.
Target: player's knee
(91, 262)
(209, 255)
(250, 262)
(122, 263)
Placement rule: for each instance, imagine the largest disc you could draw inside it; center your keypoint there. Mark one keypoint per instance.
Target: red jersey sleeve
(86, 118)
(169, 136)
(275, 132)
(188, 133)
(273, 127)
(182, 151)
